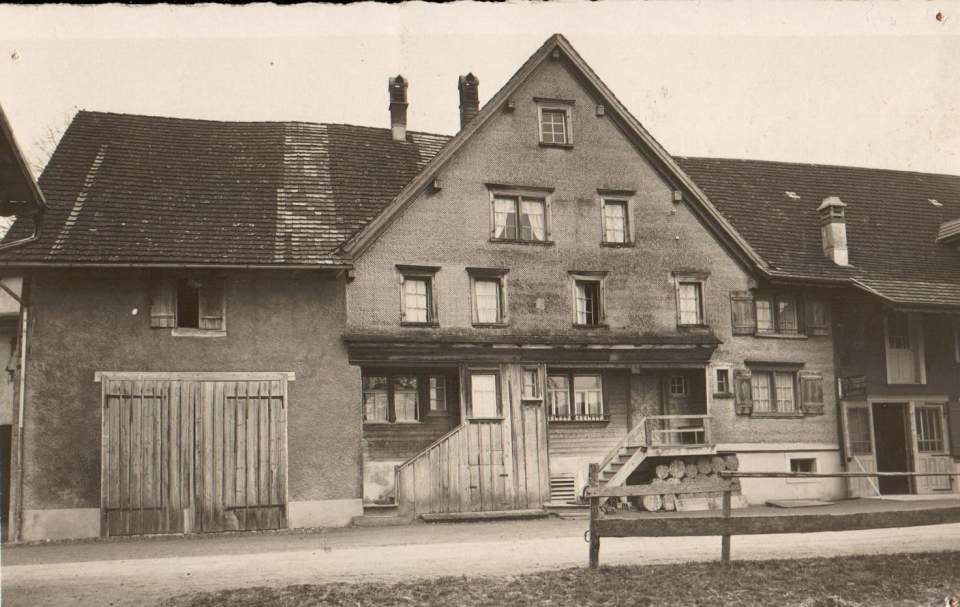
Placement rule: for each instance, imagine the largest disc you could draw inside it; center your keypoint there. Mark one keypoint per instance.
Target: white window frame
(436, 383)
(717, 393)
(700, 280)
(591, 277)
(619, 198)
(776, 324)
(428, 274)
(520, 193)
(801, 457)
(937, 410)
(470, 373)
(915, 331)
(771, 372)
(538, 386)
(489, 275)
(571, 392)
(555, 105)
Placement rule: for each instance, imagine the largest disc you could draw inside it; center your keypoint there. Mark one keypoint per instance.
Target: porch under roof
(685, 350)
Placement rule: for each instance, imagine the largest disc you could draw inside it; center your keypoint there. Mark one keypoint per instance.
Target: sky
(854, 83)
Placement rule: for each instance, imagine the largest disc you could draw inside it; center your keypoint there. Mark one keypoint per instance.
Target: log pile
(673, 478)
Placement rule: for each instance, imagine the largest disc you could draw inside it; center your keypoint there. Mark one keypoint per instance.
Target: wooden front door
(193, 455)
(858, 448)
(931, 446)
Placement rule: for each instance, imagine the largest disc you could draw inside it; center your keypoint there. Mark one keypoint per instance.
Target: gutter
(16, 505)
(222, 266)
(22, 241)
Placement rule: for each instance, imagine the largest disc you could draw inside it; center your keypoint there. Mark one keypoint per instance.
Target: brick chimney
(833, 230)
(398, 107)
(469, 87)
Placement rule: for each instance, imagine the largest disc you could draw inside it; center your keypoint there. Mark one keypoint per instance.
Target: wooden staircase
(656, 436)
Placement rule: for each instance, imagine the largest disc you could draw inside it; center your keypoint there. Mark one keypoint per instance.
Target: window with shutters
(418, 305)
(779, 314)
(778, 389)
(189, 305)
(488, 296)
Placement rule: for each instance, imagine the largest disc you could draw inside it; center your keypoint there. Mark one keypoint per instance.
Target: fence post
(725, 538)
(594, 480)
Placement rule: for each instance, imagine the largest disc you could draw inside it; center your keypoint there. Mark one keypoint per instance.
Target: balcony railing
(578, 417)
(677, 430)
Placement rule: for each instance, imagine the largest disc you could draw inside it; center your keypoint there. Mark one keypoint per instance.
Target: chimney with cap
(398, 107)
(833, 230)
(469, 87)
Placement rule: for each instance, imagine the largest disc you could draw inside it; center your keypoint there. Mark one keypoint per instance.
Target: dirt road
(146, 571)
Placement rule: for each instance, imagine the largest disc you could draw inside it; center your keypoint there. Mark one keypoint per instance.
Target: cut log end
(652, 503)
(677, 468)
(662, 471)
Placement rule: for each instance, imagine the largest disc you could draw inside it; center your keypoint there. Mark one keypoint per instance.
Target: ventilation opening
(563, 488)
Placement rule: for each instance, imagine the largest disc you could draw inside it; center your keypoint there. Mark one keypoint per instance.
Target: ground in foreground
(894, 579)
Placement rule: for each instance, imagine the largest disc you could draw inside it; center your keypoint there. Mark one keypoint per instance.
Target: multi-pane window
(778, 314)
(690, 303)
(723, 381)
(575, 396)
(929, 429)
(487, 300)
(519, 218)
(402, 396)
(678, 385)
(553, 126)
(376, 399)
(774, 391)
(438, 393)
(417, 299)
(531, 384)
(858, 420)
(615, 221)
(484, 395)
(588, 302)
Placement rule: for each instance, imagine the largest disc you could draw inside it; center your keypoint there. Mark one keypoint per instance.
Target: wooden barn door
(193, 455)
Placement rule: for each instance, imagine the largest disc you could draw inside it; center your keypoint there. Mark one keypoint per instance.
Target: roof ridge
(813, 164)
(254, 122)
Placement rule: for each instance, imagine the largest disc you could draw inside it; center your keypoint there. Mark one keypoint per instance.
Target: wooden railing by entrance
(677, 430)
(727, 526)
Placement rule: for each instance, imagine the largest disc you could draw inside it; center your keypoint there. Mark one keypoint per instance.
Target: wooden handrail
(623, 442)
(671, 417)
(431, 446)
(732, 474)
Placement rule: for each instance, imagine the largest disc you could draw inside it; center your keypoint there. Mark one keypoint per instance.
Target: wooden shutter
(817, 326)
(211, 304)
(953, 426)
(811, 392)
(744, 315)
(163, 302)
(743, 390)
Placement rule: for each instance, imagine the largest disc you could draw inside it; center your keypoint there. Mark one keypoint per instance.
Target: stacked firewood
(673, 478)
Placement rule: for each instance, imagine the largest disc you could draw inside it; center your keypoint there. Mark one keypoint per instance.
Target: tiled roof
(146, 190)
(893, 220)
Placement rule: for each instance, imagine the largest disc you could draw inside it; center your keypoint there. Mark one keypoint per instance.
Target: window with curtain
(487, 301)
(689, 299)
(574, 396)
(588, 302)
(375, 399)
(519, 218)
(558, 396)
(416, 299)
(774, 391)
(615, 221)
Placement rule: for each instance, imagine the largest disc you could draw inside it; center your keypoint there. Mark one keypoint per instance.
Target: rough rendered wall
(451, 228)
(276, 321)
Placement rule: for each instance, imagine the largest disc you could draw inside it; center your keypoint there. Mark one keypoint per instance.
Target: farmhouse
(239, 326)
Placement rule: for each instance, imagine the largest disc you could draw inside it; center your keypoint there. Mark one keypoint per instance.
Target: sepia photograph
(480, 304)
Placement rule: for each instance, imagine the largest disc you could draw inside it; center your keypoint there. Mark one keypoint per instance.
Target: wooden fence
(727, 526)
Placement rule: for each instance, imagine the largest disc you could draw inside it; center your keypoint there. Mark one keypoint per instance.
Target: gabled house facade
(238, 326)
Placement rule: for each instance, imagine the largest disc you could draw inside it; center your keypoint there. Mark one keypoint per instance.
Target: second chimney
(469, 87)
(833, 230)
(398, 107)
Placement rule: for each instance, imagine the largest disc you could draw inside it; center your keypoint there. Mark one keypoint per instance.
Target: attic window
(935, 202)
(792, 195)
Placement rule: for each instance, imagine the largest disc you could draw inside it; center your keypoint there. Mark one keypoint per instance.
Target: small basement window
(803, 464)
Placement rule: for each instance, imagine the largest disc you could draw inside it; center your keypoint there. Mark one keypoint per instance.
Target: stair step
(460, 517)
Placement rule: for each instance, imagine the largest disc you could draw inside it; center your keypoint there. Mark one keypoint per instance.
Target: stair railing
(638, 431)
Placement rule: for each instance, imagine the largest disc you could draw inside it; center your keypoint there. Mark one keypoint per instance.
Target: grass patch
(897, 579)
